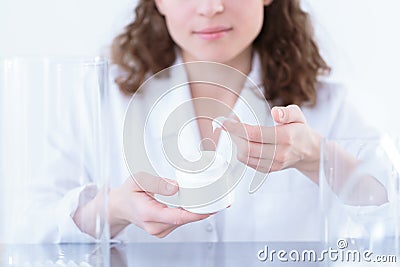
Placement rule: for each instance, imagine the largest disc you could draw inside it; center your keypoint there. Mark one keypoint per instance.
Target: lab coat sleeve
(349, 123)
(74, 168)
(67, 229)
(65, 181)
(53, 199)
(346, 122)
(340, 120)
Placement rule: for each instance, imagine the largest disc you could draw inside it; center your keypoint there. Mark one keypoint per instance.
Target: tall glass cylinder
(52, 142)
(360, 195)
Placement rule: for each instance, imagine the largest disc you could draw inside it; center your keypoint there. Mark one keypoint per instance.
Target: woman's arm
(132, 204)
(293, 144)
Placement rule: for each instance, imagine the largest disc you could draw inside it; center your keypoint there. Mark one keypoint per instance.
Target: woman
(271, 41)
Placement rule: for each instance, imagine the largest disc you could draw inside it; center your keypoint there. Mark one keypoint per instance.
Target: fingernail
(232, 120)
(231, 116)
(280, 113)
(219, 122)
(170, 187)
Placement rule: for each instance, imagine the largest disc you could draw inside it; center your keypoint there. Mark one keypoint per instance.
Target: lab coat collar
(177, 92)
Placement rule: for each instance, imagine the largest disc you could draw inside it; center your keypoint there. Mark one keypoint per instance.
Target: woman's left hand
(290, 144)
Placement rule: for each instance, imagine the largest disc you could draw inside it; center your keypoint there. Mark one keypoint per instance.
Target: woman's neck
(242, 62)
(227, 82)
(215, 89)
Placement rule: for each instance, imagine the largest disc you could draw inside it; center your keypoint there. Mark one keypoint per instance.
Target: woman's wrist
(309, 165)
(85, 217)
(115, 220)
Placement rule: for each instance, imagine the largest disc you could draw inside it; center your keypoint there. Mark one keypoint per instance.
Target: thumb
(288, 114)
(153, 184)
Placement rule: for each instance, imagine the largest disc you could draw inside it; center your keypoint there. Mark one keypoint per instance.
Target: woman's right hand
(131, 203)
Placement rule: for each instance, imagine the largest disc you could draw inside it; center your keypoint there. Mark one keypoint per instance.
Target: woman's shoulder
(335, 116)
(330, 92)
(330, 100)
(330, 97)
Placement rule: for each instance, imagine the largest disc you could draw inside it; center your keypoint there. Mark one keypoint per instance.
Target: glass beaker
(52, 144)
(359, 192)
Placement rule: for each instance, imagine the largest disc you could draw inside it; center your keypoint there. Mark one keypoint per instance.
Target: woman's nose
(210, 8)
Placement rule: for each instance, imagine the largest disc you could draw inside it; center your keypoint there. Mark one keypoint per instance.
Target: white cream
(208, 182)
(219, 121)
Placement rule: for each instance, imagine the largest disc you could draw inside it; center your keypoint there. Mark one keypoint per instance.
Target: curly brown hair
(290, 58)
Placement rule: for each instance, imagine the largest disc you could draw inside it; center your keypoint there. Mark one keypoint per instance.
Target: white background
(360, 39)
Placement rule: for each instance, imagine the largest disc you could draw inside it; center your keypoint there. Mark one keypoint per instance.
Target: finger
(264, 165)
(247, 149)
(158, 229)
(153, 184)
(263, 151)
(167, 232)
(288, 114)
(234, 117)
(281, 135)
(242, 145)
(176, 216)
(218, 122)
(253, 133)
(250, 161)
(278, 153)
(235, 128)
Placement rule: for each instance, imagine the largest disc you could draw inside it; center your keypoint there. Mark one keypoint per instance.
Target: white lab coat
(285, 208)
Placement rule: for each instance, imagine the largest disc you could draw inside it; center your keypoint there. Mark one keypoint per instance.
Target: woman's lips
(212, 33)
